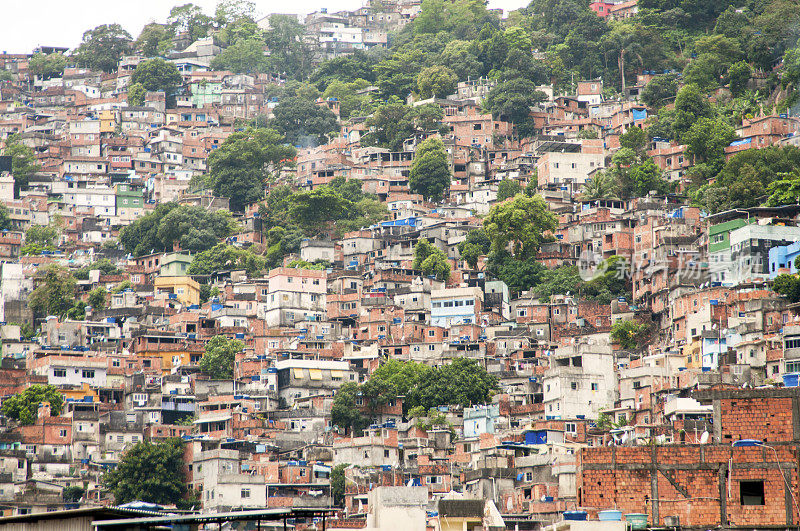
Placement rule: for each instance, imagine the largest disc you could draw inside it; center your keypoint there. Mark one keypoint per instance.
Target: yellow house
(185, 289)
(108, 121)
(693, 353)
(79, 393)
(166, 350)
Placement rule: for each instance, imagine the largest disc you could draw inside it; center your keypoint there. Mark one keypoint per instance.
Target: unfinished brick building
(714, 484)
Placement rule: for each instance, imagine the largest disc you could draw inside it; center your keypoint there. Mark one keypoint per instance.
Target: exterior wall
(455, 306)
(699, 484)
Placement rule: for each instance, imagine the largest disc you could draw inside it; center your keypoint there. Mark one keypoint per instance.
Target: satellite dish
(624, 437)
(704, 438)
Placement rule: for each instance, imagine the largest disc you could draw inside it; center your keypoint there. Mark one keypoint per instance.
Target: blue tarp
(400, 222)
(741, 142)
(639, 114)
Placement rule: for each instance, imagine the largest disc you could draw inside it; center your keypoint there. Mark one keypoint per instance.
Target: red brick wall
(766, 419)
(622, 478)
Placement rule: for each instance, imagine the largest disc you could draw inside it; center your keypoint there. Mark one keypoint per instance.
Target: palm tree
(601, 186)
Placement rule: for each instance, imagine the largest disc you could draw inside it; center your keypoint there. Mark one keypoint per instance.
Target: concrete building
(295, 295)
(451, 306)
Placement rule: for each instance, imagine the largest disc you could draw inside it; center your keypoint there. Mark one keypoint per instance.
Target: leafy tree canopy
(431, 260)
(24, 407)
(304, 122)
(521, 223)
(224, 257)
(192, 228)
(217, 362)
(239, 168)
(430, 172)
(157, 75)
(47, 66)
(149, 472)
(102, 47)
(55, 292)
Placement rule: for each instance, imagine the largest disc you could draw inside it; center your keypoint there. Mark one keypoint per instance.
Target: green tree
(55, 292)
(102, 47)
(239, 168)
(351, 96)
(745, 178)
(690, 105)
(154, 40)
(23, 163)
(289, 52)
(314, 210)
(72, 494)
(624, 41)
(157, 75)
(634, 138)
(521, 223)
(97, 298)
(785, 190)
(788, 286)
(193, 228)
(189, 20)
(304, 122)
(345, 69)
(226, 258)
(602, 186)
(394, 122)
(344, 412)
(149, 472)
(660, 91)
(219, 358)
(631, 334)
(136, 94)
(462, 58)
(707, 139)
(463, 382)
(24, 406)
(508, 188)
(5, 218)
(41, 234)
(512, 100)
(397, 75)
(431, 260)
(104, 265)
(436, 81)
(519, 275)
(430, 172)
(47, 66)
(738, 76)
(476, 244)
(247, 55)
(338, 483)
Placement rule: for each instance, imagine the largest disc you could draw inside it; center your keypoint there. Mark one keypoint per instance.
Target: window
(571, 427)
(573, 386)
(245, 493)
(793, 366)
(386, 453)
(793, 343)
(87, 373)
(62, 433)
(595, 387)
(751, 492)
(59, 373)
